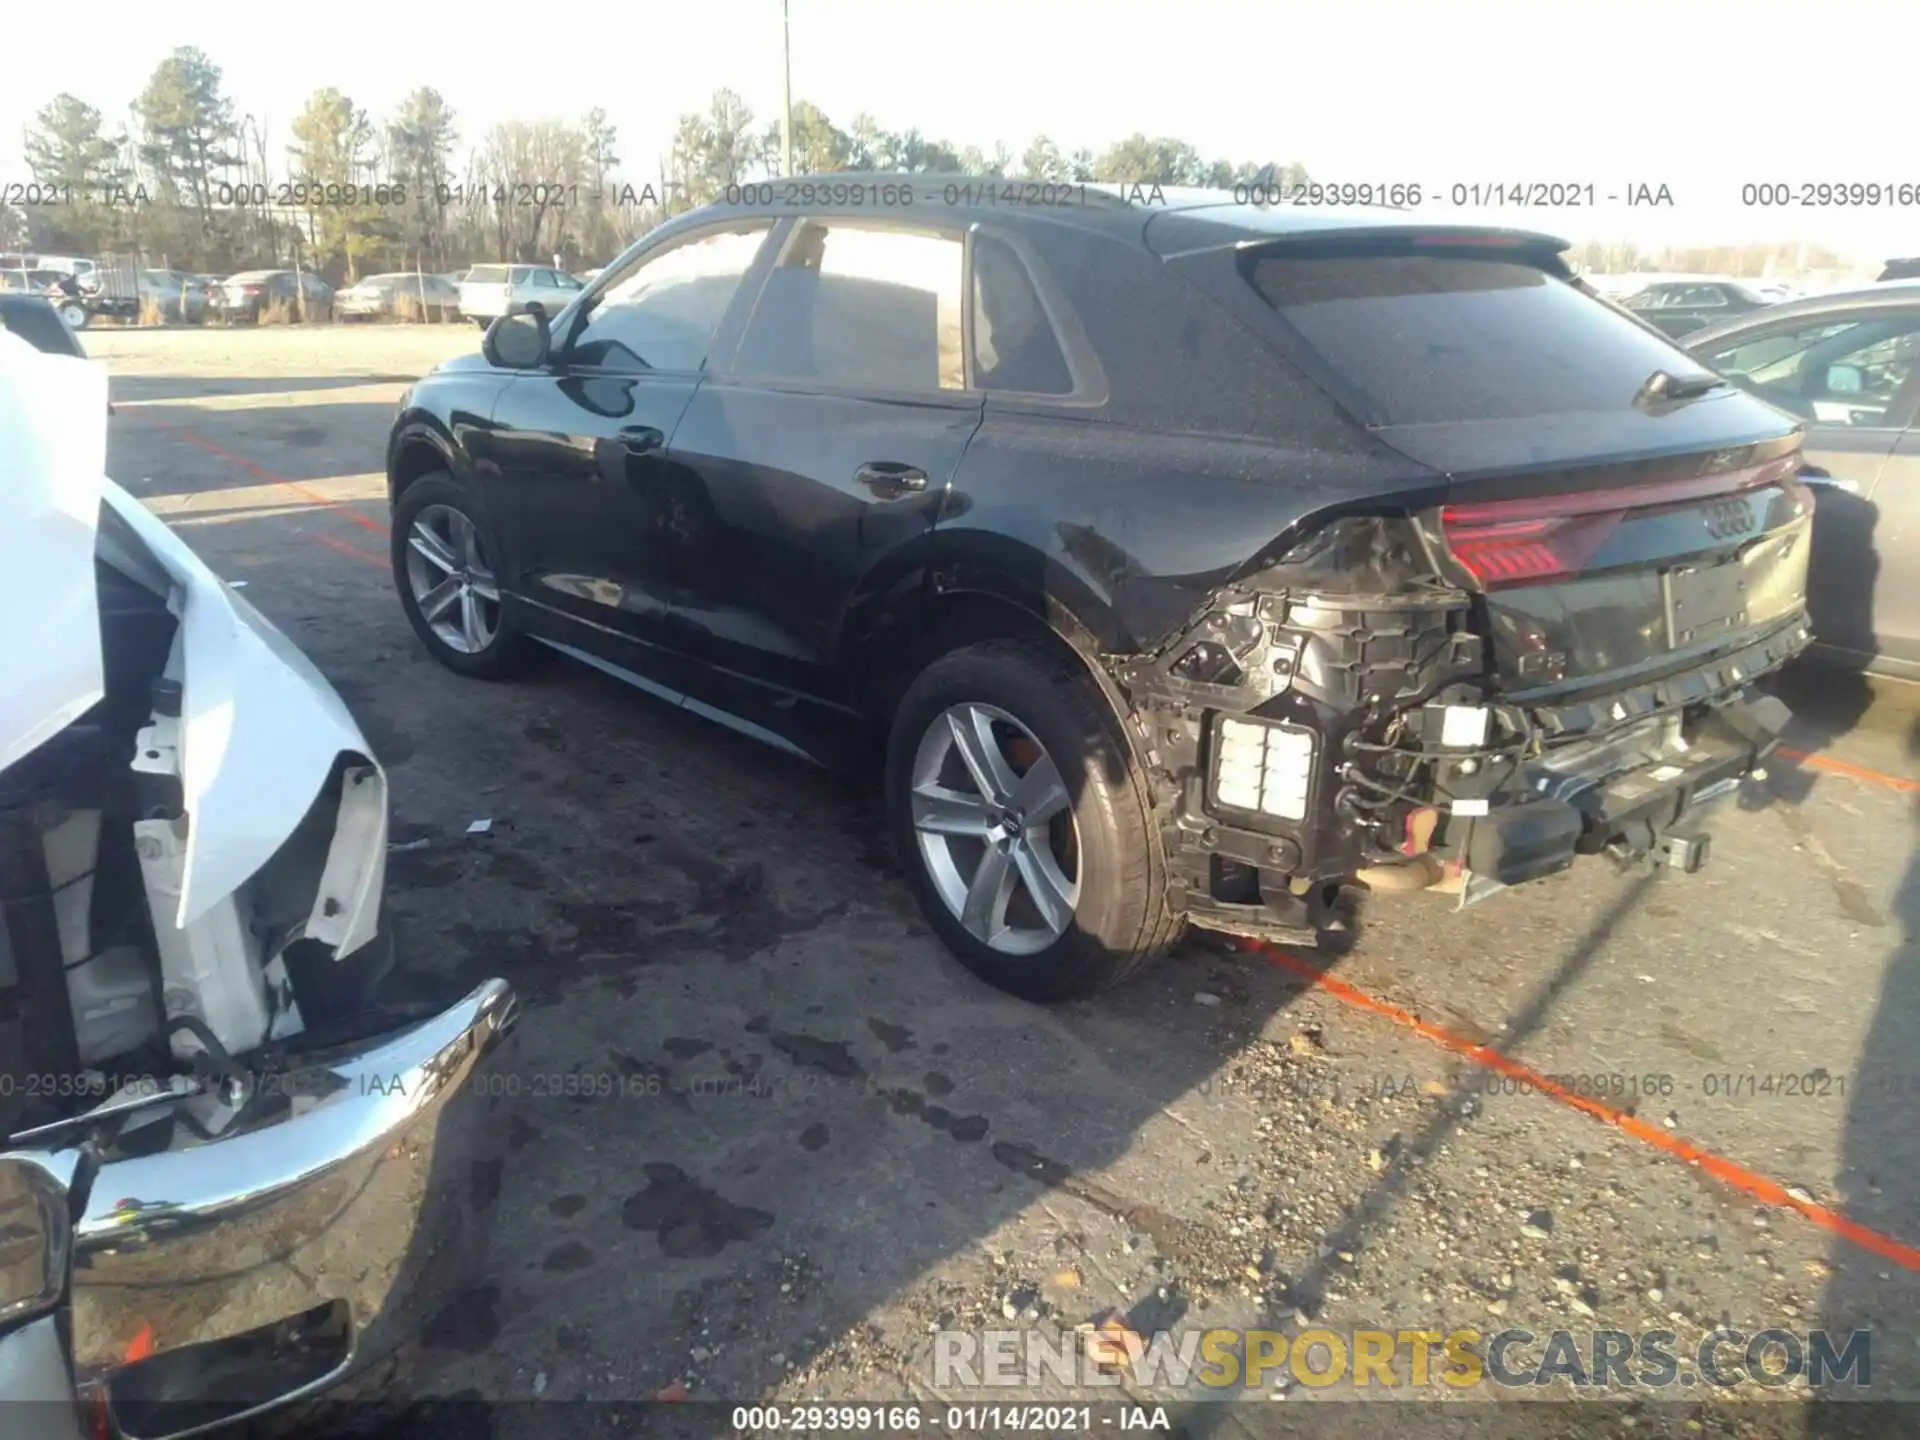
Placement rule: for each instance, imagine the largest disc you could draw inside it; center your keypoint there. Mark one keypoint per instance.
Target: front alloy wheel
(452, 583)
(448, 583)
(994, 828)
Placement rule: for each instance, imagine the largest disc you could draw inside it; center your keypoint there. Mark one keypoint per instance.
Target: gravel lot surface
(766, 1138)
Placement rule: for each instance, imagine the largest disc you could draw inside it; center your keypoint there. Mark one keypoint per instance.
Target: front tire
(1022, 821)
(443, 567)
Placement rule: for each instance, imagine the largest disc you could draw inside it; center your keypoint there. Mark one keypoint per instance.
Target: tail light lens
(1547, 537)
(1501, 551)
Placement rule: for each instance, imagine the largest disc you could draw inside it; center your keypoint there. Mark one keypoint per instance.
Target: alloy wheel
(995, 829)
(451, 579)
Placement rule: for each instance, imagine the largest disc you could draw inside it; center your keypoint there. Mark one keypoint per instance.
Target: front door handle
(887, 479)
(640, 439)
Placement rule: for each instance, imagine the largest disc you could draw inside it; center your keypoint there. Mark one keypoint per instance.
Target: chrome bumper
(362, 1188)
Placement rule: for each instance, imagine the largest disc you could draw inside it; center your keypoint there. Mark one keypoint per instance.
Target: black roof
(1182, 218)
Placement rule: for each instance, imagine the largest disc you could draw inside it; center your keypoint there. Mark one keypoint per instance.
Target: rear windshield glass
(1433, 339)
(487, 275)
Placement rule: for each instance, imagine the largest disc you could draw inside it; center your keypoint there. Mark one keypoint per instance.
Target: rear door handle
(640, 439)
(887, 479)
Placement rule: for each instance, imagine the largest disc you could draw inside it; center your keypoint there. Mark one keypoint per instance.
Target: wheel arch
(963, 591)
(418, 447)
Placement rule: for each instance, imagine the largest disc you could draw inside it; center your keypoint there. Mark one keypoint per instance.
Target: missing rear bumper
(1635, 814)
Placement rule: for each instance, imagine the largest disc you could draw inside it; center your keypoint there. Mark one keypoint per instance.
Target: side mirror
(518, 342)
(1846, 380)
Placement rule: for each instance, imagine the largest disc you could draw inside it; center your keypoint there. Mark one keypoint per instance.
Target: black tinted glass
(1434, 338)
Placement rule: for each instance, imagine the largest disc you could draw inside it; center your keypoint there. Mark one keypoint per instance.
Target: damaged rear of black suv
(1242, 559)
(1542, 642)
(1525, 566)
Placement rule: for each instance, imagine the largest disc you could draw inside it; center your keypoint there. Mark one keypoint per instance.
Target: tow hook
(1685, 853)
(1637, 851)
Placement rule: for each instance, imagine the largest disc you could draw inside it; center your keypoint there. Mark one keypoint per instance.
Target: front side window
(862, 308)
(661, 312)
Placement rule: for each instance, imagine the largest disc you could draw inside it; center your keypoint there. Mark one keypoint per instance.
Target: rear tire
(465, 628)
(1114, 901)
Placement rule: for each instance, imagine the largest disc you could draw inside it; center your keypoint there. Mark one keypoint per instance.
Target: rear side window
(1014, 345)
(1434, 339)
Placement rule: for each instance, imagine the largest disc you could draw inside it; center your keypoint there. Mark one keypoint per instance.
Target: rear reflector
(1544, 537)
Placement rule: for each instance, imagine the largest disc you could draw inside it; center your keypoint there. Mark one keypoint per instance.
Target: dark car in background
(1688, 302)
(254, 295)
(1148, 549)
(1848, 366)
(1907, 269)
(61, 290)
(398, 296)
(35, 320)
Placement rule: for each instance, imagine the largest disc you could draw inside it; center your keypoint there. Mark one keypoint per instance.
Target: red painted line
(261, 473)
(354, 550)
(1852, 772)
(1766, 1191)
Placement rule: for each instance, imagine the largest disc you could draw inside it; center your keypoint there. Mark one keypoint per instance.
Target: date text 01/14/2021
(912, 1418)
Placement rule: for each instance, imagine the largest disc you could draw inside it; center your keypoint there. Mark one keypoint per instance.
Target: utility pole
(786, 90)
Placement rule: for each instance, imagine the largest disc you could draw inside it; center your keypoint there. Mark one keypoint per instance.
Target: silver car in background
(402, 295)
(490, 291)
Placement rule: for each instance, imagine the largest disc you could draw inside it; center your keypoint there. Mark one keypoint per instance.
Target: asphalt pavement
(767, 1139)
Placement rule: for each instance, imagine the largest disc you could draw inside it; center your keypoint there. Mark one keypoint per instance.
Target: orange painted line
(261, 473)
(1842, 767)
(354, 550)
(1758, 1186)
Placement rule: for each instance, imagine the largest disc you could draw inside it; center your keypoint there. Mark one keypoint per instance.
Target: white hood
(259, 728)
(53, 452)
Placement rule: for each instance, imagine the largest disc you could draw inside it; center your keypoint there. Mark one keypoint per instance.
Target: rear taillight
(1512, 552)
(1546, 537)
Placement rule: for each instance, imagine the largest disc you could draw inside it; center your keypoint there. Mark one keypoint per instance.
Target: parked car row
(173, 296)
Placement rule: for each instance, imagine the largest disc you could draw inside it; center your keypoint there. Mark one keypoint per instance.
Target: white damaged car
(226, 1181)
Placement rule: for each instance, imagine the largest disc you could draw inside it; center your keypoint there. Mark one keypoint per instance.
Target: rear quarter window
(1437, 339)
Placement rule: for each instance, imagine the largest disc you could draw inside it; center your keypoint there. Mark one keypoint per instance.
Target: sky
(1696, 95)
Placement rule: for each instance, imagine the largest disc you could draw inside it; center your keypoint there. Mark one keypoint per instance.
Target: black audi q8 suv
(1180, 560)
